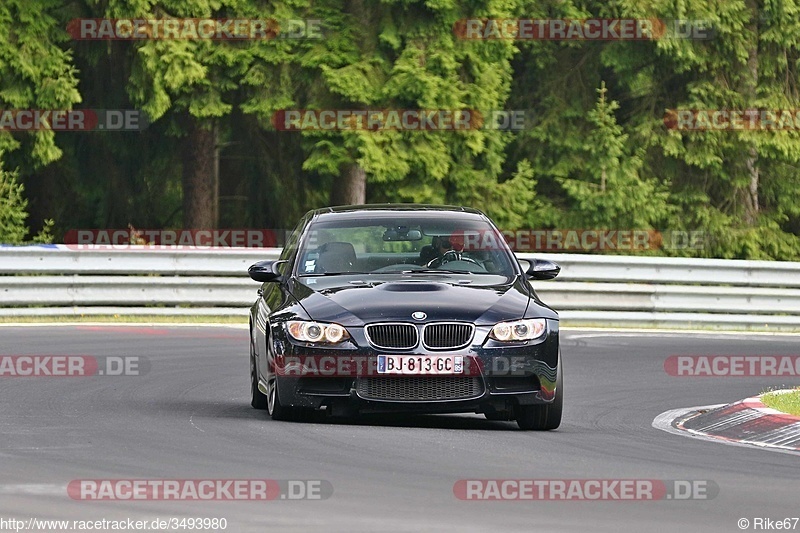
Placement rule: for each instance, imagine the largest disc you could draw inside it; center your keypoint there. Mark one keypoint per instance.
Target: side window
(290, 248)
(314, 238)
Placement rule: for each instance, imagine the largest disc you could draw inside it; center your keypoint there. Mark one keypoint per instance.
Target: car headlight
(519, 330)
(306, 331)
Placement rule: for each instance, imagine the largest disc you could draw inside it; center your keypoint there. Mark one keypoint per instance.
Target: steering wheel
(449, 255)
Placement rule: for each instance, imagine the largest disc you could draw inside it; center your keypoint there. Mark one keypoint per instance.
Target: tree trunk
(351, 187)
(751, 196)
(199, 179)
(750, 92)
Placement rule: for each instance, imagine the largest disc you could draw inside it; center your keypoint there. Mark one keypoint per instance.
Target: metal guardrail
(591, 290)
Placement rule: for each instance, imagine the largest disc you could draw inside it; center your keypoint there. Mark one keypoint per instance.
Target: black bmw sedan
(404, 308)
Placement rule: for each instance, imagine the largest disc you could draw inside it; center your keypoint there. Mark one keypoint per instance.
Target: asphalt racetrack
(188, 417)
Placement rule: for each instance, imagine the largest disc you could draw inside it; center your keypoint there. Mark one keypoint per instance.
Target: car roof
(348, 211)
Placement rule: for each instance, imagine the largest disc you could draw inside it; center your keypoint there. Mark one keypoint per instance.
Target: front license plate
(420, 364)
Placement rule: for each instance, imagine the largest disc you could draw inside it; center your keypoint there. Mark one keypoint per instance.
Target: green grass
(787, 402)
(566, 323)
(125, 319)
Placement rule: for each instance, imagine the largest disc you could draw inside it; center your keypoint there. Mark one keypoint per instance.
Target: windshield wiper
(333, 274)
(434, 271)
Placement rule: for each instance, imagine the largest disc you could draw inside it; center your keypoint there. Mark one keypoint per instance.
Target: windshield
(405, 243)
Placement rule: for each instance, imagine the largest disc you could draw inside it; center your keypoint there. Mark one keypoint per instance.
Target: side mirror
(265, 271)
(540, 269)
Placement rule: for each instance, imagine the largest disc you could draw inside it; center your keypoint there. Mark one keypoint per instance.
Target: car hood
(353, 301)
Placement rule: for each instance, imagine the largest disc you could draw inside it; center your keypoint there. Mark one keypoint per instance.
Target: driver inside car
(442, 245)
(439, 246)
(446, 249)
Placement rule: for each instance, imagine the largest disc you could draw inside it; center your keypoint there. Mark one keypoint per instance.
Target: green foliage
(596, 153)
(13, 207)
(606, 187)
(45, 235)
(13, 212)
(35, 72)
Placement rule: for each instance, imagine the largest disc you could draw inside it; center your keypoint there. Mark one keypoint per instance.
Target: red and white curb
(744, 423)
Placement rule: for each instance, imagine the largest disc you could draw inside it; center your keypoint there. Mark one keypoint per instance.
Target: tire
(257, 399)
(544, 417)
(276, 410)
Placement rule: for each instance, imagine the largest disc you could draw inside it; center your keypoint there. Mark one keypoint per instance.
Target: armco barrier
(591, 290)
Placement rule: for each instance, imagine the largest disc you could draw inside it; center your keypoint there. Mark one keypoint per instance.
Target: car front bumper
(497, 377)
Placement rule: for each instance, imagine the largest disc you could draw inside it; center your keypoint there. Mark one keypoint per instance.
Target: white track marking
(664, 422)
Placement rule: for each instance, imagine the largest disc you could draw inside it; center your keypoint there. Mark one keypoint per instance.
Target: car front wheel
(274, 407)
(257, 399)
(547, 416)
